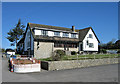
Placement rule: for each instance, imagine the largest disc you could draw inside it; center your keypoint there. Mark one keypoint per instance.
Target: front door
(81, 47)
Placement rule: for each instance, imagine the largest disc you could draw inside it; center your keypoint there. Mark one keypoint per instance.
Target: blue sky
(102, 17)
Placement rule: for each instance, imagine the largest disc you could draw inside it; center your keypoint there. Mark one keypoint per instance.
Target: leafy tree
(3, 50)
(110, 45)
(117, 44)
(16, 33)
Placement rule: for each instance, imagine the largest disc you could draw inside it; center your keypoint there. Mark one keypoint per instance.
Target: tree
(117, 44)
(16, 33)
(3, 50)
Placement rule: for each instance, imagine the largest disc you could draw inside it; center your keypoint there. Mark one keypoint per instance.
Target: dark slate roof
(83, 33)
(9, 50)
(32, 25)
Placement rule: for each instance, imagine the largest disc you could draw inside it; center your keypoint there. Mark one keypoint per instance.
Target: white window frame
(90, 36)
(73, 35)
(65, 34)
(56, 33)
(91, 46)
(44, 32)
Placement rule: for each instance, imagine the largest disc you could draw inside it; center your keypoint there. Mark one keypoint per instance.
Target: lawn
(83, 57)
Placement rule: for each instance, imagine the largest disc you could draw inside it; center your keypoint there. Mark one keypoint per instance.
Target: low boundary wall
(70, 64)
(24, 65)
(26, 68)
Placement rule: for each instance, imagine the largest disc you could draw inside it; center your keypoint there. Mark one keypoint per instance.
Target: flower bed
(24, 65)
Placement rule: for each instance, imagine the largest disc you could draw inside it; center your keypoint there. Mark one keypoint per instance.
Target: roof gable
(83, 33)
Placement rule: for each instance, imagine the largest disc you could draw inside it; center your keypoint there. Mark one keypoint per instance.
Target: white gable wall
(90, 40)
(11, 53)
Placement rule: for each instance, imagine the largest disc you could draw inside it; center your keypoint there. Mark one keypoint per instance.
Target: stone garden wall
(70, 64)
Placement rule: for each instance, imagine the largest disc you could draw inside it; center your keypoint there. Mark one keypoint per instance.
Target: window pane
(73, 35)
(90, 35)
(44, 32)
(56, 33)
(65, 34)
(91, 45)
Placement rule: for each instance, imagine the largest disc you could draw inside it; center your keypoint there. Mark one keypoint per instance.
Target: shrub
(57, 55)
(118, 51)
(61, 52)
(73, 53)
(103, 51)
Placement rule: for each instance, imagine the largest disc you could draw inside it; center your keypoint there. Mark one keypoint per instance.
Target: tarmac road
(104, 73)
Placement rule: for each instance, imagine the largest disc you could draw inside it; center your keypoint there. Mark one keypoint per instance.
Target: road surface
(104, 73)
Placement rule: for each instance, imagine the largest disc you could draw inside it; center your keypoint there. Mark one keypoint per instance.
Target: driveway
(104, 73)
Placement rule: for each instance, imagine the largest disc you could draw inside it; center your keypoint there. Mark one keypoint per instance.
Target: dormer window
(44, 32)
(73, 35)
(65, 34)
(90, 36)
(56, 33)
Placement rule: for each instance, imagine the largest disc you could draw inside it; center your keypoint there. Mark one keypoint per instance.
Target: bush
(73, 53)
(57, 55)
(60, 52)
(118, 51)
(103, 51)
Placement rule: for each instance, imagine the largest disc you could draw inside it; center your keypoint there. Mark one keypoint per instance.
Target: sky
(101, 16)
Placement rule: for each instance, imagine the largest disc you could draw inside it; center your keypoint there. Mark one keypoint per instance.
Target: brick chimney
(73, 28)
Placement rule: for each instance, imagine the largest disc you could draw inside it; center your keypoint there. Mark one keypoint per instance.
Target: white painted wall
(37, 32)
(90, 40)
(11, 53)
(27, 68)
(61, 34)
(51, 33)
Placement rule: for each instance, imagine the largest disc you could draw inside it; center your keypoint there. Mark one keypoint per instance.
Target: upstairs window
(56, 33)
(91, 45)
(73, 35)
(90, 36)
(44, 32)
(65, 34)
